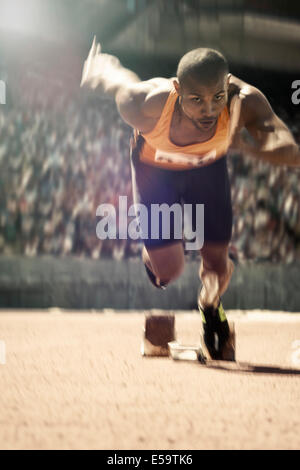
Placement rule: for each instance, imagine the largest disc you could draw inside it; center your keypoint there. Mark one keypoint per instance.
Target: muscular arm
(139, 102)
(105, 73)
(272, 140)
(140, 105)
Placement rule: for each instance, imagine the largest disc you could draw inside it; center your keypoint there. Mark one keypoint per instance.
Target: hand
(97, 67)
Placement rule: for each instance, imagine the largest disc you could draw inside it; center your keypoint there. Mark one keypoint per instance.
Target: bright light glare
(29, 17)
(19, 16)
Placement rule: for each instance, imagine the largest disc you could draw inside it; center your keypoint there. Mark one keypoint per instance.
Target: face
(202, 103)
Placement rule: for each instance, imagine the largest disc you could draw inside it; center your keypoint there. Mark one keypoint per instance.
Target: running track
(76, 380)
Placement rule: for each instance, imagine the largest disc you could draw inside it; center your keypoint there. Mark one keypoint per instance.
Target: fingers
(93, 48)
(96, 47)
(88, 64)
(83, 74)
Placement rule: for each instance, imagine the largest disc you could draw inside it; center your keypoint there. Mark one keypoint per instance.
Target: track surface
(77, 381)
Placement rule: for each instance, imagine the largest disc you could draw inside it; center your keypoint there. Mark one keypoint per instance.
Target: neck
(191, 124)
(184, 118)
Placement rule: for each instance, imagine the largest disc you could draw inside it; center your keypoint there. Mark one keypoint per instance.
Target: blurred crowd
(266, 202)
(62, 155)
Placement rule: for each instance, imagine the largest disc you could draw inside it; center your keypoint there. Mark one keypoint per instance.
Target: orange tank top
(159, 151)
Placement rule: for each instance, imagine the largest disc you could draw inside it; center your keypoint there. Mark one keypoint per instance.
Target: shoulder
(254, 103)
(157, 97)
(247, 92)
(144, 101)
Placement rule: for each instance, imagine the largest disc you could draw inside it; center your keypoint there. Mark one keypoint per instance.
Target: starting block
(159, 330)
(159, 339)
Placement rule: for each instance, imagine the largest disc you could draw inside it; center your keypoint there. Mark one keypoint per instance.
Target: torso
(170, 142)
(179, 133)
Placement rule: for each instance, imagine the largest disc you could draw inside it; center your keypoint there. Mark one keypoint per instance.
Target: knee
(167, 274)
(217, 265)
(215, 261)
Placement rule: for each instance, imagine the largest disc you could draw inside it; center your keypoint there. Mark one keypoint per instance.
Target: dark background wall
(85, 284)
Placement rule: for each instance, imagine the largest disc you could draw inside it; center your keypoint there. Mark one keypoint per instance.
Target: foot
(227, 347)
(218, 337)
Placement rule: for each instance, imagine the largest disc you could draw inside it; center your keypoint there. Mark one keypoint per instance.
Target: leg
(165, 262)
(215, 273)
(210, 186)
(163, 259)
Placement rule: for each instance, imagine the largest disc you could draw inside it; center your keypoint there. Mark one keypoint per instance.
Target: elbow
(293, 155)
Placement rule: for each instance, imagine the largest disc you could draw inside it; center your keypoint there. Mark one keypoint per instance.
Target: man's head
(202, 84)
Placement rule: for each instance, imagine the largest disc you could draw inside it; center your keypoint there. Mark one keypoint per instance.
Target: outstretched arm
(104, 72)
(139, 102)
(269, 138)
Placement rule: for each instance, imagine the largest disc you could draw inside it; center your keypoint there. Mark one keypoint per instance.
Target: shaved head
(203, 65)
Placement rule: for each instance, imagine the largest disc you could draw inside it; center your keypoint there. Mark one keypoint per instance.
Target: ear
(177, 86)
